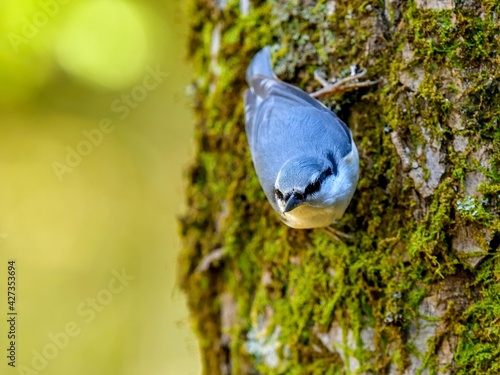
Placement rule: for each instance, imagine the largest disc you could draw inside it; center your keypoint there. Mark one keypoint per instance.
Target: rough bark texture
(417, 290)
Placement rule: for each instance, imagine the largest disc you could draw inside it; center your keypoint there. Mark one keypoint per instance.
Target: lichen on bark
(416, 291)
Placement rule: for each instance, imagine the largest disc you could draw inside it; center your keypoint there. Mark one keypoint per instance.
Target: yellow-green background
(115, 210)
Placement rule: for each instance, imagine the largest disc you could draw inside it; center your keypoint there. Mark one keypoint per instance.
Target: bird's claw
(341, 85)
(336, 234)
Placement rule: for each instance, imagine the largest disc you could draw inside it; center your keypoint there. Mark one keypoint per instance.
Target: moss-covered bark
(417, 289)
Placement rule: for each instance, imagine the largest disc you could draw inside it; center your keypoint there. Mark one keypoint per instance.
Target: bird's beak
(292, 203)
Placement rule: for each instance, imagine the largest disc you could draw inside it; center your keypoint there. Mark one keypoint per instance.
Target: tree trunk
(417, 289)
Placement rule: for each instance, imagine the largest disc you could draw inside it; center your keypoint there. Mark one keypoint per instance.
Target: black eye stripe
(316, 185)
(313, 187)
(278, 193)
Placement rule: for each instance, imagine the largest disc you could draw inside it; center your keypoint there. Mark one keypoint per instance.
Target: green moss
(479, 330)
(303, 281)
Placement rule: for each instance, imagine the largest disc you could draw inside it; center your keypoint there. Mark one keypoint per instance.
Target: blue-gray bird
(304, 155)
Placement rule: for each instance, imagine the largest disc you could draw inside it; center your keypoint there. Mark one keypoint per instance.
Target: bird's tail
(261, 65)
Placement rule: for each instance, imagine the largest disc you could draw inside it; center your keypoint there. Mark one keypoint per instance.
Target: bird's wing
(268, 94)
(250, 108)
(263, 88)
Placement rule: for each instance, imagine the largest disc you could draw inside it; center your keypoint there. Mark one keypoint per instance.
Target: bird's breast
(305, 217)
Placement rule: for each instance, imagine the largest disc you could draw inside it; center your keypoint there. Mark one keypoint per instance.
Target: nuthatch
(304, 155)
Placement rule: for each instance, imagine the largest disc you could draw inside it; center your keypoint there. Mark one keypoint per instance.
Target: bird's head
(305, 180)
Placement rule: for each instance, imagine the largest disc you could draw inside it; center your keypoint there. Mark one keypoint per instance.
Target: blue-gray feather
(261, 65)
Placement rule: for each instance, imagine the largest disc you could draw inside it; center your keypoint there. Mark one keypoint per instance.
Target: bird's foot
(338, 86)
(336, 234)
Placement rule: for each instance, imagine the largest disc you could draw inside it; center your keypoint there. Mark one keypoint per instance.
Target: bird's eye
(299, 196)
(278, 194)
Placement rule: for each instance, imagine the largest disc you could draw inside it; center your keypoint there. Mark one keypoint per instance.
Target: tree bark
(417, 289)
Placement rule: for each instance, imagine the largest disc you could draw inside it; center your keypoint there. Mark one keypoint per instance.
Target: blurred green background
(95, 134)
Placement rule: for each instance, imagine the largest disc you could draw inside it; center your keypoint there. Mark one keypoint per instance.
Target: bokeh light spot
(104, 42)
